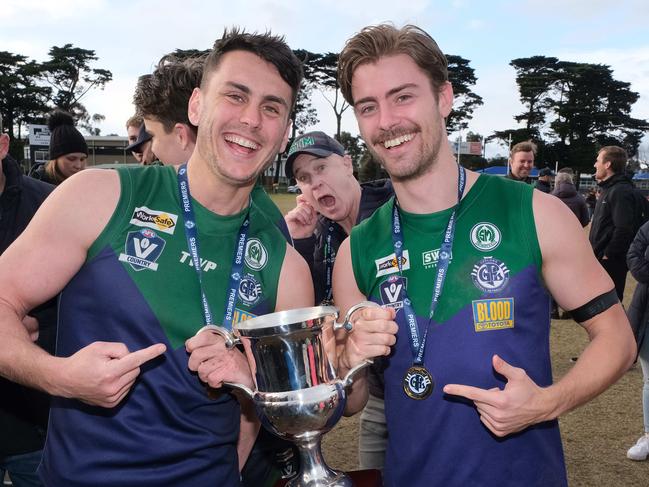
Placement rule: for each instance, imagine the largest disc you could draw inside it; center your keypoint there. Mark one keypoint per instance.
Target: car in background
(294, 189)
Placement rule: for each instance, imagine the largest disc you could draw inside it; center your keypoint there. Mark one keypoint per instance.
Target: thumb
(502, 367)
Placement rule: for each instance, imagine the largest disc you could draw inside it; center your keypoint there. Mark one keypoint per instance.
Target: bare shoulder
(295, 287)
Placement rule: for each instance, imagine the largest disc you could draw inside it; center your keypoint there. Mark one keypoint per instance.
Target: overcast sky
(129, 36)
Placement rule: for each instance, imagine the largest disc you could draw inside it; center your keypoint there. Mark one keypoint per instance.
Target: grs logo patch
(431, 257)
(158, 220)
(493, 314)
(250, 291)
(141, 250)
(393, 291)
(490, 275)
(388, 265)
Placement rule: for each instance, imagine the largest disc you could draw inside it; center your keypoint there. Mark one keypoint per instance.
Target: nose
(250, 116)
(387, 118)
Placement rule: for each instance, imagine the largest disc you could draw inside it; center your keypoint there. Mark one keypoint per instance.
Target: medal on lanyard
(191, 235)
(418, 383)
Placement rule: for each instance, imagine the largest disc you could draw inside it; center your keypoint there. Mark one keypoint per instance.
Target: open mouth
(327, 201)
(241, 144)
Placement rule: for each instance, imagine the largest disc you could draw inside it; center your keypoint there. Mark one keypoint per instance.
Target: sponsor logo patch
(141, 250)
(388, 265)
(250, 291)
(256, 254)
(158, 220)
(206, 265)
(485, 236)
(393, 291)
(493, 314)
(490, 275)
(239, 315)
(431, 257)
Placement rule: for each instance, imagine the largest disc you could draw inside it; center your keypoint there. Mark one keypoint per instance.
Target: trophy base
(333, 479)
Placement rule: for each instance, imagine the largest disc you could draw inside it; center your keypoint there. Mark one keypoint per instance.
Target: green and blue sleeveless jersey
(493, 302)
(138, 286)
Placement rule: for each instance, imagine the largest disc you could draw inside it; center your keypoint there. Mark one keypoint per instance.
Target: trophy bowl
(298, 395)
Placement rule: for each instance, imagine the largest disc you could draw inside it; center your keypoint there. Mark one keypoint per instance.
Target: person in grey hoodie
(565, 190)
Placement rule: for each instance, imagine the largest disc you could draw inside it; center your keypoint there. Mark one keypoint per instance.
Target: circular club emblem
(490, 275)
(418, 383)
(249, 290)
(256, 254)
(485, 236)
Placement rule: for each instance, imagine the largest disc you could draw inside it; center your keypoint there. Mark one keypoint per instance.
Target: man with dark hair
(23, 411)
(521, 161)
(615, 218)
(157, 258)
(544, 183)
(464, 264)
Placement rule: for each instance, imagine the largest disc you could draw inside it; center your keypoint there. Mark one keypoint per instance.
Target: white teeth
(241, 141)
(398, 141)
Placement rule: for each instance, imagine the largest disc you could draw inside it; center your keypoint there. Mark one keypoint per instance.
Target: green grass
(285, 201)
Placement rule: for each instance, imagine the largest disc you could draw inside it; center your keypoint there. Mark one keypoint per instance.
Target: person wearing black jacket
(565, 190)
(23, 411)
(638, 261)
(614, 220)
(331, 203)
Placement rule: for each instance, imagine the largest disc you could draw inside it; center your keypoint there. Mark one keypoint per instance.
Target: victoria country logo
(393, 291)
(485, 236)
(142, 249)
(256, 254)
(250, 291)
(490, 275)
(157, 220)
(388, 265)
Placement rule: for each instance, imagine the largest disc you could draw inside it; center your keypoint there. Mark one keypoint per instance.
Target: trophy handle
(230, 339)
(246, 390)
(346, 324)
(349, 378)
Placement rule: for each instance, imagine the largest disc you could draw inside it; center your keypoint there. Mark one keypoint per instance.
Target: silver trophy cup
(298, 395)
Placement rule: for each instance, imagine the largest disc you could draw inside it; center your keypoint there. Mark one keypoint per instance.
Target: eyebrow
(248, 91)
(391, 92)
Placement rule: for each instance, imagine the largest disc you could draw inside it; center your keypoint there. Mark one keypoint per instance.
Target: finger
(375, 313)
(300, 199)
(470, 392)
(204, 339)
(114, 350)
(135, 359)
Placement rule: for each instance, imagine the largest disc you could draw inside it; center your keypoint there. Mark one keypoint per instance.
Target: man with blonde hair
(521, 161)
(464, 265)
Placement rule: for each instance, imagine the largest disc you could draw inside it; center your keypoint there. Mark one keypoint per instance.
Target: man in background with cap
(544, 183)
(331, 203)
(23, 411)
(139, 141)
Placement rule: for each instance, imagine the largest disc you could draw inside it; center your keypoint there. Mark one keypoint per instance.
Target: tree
(462, 77)
(354, 146)
(535, 76)
(69, 73)
(325, 79)
(22, 100)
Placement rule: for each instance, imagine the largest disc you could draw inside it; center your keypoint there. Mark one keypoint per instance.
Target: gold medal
(418, 383)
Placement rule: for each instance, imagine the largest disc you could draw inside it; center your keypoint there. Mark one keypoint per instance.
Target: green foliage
(462, 77)
(354, 146)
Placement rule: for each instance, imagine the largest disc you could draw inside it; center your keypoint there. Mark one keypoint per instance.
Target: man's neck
(434, 191)
(351, 219)
(213, 193)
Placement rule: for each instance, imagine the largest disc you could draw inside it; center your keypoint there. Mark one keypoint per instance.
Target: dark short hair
(376, 41)
(617, 156)
(267, 46)
(525, 146)
(164, 94)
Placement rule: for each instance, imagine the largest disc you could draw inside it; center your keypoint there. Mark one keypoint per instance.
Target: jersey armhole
(118, 216)
(528, 222)
(357, 260)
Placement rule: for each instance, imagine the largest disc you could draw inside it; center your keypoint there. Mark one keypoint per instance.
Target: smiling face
(602, 167)
(242, 116)
(521, 164)
(399, 116)
(327, 183)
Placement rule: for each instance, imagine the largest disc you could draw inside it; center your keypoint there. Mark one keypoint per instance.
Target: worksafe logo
(493, 314)
(485, 236)
(141, 250)
(388, 265)
(157, 220)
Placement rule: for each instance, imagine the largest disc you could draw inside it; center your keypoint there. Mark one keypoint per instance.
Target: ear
(4, 145)
(445, 99)
(289, 126)
(181, 132)
(195, 106)
(347, 162)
